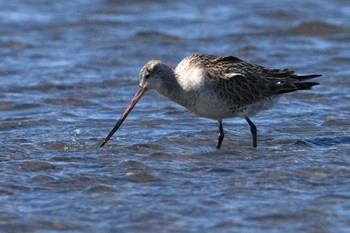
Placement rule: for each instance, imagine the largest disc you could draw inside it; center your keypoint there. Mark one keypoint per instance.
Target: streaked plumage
(218, 87)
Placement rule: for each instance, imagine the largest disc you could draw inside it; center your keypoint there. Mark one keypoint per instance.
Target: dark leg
(221, 134)
(253, 130)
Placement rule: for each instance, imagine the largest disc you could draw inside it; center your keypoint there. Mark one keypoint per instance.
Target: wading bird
(218, 87)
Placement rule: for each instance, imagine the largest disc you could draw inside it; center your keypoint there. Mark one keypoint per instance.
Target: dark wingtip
(306, 85)
(314, 75)
(298, 86)
(306, 77)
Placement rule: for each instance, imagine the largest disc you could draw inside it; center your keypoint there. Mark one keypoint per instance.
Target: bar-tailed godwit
(217, 87)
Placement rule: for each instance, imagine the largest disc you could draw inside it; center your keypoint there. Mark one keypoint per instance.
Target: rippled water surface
(69, 69)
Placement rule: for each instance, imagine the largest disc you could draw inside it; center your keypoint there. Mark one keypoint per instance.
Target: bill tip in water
(103, 143)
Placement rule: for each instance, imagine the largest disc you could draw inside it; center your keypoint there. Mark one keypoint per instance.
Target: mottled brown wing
(245, 83)
(242, 90)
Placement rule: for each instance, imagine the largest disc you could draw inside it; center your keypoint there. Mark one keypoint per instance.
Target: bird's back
(229, 82)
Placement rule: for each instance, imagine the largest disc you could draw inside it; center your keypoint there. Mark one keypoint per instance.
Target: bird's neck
(173, 89)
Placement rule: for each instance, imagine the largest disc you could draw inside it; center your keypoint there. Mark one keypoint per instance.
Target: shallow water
(68, 71)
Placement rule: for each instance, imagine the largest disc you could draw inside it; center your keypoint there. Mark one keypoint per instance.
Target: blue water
(68, 70)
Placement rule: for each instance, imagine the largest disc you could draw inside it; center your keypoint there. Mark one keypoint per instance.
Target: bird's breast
(212, 106)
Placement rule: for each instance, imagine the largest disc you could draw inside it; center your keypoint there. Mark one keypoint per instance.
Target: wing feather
(243, 83)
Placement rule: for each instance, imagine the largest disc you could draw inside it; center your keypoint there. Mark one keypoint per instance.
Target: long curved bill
(133, 102)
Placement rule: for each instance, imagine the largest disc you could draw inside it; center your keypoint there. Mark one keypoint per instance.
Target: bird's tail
(306, 85)
(306, 77)
(298, 84)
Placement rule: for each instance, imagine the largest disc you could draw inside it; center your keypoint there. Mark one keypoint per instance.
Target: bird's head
(152, 74)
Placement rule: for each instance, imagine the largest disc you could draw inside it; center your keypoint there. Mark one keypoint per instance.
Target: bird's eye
(148, 73)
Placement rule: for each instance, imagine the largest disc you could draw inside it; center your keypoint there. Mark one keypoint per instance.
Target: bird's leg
(221, 134)
(253, 130)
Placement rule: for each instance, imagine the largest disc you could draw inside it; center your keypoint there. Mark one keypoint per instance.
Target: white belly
(216, 108)
(212, 107)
